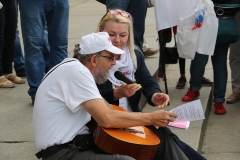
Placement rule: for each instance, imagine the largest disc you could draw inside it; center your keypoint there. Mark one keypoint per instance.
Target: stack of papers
(187, 112)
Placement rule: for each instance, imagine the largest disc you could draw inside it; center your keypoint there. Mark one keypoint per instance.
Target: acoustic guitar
(138, 142)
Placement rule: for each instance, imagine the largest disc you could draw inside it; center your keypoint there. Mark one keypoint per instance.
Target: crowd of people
(220, 73)
(115, 31)
(90, 85)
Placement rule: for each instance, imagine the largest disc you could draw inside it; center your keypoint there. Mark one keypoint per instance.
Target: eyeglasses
(109, 57)
(117, 12)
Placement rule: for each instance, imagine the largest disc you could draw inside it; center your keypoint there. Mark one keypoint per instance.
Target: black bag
(102, 1)
(171, 55)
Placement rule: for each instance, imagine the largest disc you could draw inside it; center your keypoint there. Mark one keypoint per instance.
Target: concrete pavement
(219, 141)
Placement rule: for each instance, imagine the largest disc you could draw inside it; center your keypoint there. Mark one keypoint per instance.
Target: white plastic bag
(198, 32)
(187, 39)
(208, 34)
(169, 13)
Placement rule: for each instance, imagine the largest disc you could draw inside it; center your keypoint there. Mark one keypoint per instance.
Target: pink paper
(180, 124)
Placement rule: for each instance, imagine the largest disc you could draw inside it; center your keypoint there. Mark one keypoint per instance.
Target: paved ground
(219, 141)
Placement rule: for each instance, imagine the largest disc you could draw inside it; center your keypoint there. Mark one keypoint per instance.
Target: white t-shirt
(57, 114)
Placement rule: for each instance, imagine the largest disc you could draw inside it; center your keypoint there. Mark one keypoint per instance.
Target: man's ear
(93, 60)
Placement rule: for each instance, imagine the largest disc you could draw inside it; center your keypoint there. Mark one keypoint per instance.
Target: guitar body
(138, 142)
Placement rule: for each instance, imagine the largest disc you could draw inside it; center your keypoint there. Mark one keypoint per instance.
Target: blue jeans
(138, 10)
(18, 58)
(18, 55)
(219, 63)
(34, 16)
(46, 50)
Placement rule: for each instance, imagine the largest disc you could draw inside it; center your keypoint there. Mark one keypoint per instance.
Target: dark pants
(165, 150)
(182, 65)
(73, 153)
(8, 24)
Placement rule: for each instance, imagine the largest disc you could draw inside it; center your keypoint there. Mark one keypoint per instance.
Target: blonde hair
(120, 19)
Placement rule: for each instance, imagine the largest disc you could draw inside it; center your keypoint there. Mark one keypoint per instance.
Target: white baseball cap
(96, 42)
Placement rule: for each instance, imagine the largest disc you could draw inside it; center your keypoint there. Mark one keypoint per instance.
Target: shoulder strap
(54, 69)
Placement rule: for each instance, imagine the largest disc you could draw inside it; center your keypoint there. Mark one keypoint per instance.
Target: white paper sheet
(191, 111)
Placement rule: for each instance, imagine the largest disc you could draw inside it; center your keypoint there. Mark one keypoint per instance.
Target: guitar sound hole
(130, 130)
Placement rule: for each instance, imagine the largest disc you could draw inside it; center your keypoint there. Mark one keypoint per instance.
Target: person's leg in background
(148, 51)
(18, 59)
(182, 80)
(32, 32)
(138, 10)
(57, 26)
(219, 61)
(56, 14)
(234, 61)
(18, 55)
(8, 34)
(46, 50)
(4, 82)
(197, 69)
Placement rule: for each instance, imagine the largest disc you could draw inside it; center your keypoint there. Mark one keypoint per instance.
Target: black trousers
(163, 149)
(8, 25)
(182, 65)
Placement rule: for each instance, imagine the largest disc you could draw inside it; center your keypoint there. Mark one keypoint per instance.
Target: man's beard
(100, 75)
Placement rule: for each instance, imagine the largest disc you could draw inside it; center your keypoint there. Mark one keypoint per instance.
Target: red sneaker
(190, 95)
(219, 108)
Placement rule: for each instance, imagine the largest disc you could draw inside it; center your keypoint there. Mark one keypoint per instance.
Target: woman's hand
(160, 99)
(126, 90)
